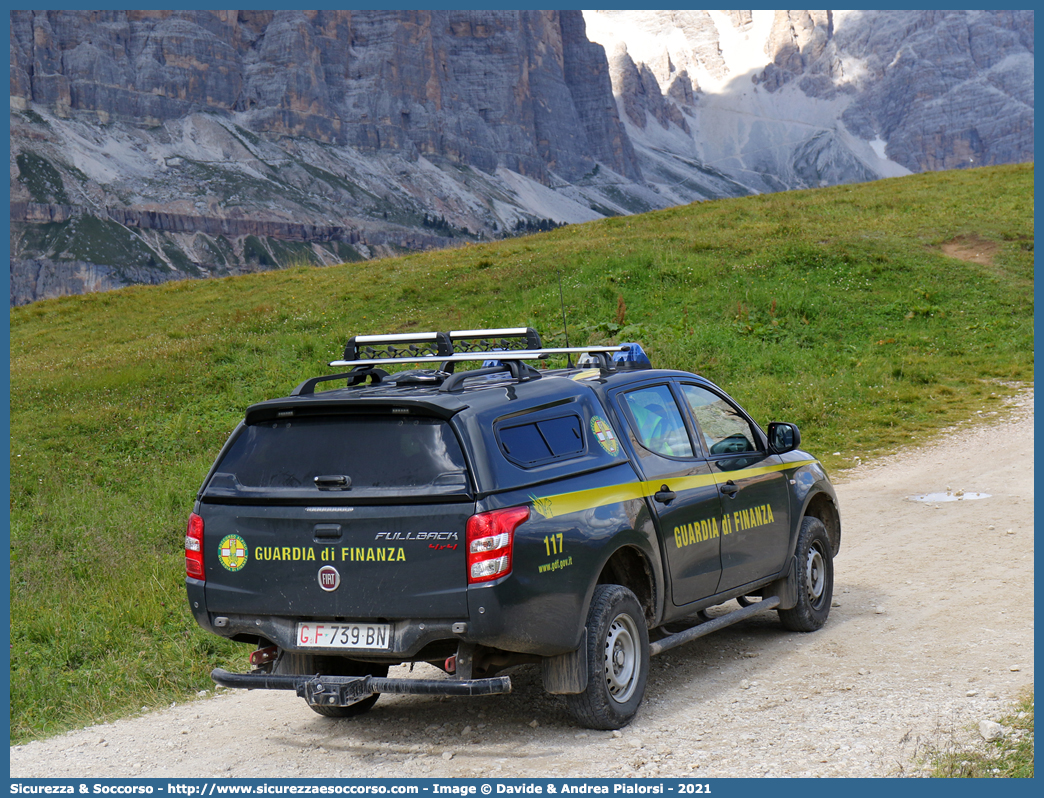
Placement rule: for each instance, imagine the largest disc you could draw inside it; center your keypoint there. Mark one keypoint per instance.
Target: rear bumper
(408, 637)
(347, 690)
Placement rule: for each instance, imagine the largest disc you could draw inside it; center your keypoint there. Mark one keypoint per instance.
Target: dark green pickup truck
(579, 519)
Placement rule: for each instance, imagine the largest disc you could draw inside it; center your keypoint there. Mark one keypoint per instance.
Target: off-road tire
(815, 578)
(310, 664)
(617, 660)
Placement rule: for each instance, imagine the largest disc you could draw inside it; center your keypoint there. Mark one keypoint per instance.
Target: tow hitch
(337, 691)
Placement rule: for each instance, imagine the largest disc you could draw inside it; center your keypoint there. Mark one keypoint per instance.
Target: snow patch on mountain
(744, 50)
(741, 136)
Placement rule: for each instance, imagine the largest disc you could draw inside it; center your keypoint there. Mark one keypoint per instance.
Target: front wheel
(617, 660)
(815, 578)
(311, 664)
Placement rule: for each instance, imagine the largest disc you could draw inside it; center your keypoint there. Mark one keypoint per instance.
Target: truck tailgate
(361, 562)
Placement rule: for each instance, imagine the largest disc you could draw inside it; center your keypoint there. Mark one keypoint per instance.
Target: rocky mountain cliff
(794, 99)
(153, 145)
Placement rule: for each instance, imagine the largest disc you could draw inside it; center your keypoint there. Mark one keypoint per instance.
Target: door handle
(730, 489)
(665, 495)
(327, 532)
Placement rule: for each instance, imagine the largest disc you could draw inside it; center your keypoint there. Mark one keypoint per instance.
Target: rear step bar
(343, 691)
(712, 625)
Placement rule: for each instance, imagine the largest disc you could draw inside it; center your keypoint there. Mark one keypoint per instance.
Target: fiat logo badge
(329, 579)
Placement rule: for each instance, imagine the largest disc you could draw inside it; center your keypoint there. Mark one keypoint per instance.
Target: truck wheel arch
(629, 566)
(822, 507)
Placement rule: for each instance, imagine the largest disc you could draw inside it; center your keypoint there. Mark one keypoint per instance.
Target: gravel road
(931, 632)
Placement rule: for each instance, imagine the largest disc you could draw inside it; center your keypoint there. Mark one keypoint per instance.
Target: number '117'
(553, 544)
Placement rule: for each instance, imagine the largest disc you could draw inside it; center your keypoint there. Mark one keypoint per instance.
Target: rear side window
(377, 455)
(543, 441)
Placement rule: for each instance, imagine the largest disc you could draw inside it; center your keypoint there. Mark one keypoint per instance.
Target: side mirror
(783, 437)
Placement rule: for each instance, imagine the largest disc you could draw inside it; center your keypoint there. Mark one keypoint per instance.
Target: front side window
(723, 428)
(658, 424)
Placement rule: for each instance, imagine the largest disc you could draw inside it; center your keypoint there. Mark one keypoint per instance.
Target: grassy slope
(831, 308)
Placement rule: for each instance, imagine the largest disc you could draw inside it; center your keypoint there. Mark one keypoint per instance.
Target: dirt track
(931, 632)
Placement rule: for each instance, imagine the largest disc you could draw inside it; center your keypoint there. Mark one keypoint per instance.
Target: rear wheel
(815, 578)
(617, 660)
(310, 664)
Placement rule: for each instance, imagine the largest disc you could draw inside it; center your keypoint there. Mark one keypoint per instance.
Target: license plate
(344, 635)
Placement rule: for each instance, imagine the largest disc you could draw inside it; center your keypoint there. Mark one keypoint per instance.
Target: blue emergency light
(633, 357)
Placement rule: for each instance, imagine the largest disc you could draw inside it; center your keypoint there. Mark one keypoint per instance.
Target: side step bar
(344, 691)
(712, 625)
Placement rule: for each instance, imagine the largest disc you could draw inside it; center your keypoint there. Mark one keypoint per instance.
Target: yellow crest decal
(544, 506)
(601, 429)
(232, 551)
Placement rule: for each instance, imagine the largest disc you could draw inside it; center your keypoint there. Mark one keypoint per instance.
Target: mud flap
(567, 673)
(786, 588)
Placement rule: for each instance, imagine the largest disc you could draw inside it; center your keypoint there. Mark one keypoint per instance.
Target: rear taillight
(194, 547)
(490, 537)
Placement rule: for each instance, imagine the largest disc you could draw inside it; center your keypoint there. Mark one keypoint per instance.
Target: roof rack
(489, 354)
(505, 348)
(457, 346)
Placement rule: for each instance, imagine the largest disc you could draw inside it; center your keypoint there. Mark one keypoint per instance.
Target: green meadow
(873, 316)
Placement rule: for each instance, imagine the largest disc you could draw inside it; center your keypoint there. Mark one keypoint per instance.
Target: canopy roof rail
(354, 377)
(518, 371)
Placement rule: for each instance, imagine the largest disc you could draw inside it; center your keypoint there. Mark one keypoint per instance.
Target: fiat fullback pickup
(577, 519)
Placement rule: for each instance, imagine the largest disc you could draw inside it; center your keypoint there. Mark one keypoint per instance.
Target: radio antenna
(565, 327)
